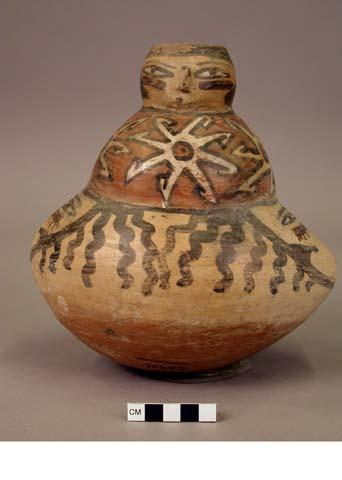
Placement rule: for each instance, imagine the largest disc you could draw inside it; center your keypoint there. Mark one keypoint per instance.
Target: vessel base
(224, 373)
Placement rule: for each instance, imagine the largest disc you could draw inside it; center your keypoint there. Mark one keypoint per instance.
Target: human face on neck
(188, 82)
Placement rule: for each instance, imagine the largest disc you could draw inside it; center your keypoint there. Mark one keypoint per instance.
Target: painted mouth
(179, 102)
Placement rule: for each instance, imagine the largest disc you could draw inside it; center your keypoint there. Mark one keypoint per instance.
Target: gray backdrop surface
(69, 78)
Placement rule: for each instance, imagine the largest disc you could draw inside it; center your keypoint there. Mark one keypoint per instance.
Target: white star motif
(182, 151)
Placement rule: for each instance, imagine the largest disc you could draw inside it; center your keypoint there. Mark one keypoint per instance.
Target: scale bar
(171, 412)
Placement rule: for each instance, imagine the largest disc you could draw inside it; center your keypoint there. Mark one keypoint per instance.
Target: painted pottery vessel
(177, 256)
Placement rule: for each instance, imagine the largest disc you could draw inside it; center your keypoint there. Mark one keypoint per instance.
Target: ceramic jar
(177, 256)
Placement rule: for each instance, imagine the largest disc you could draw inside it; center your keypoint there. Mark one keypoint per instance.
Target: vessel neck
(188, 77)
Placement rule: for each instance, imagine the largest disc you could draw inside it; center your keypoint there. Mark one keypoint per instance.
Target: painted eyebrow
(161, 63)
(212, 63)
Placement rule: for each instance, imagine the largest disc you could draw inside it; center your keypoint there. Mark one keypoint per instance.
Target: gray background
(69, 78)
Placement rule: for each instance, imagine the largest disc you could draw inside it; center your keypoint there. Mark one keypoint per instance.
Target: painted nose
(184, 85)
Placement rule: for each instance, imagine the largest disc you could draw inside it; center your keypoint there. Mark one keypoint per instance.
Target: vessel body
(177, 256)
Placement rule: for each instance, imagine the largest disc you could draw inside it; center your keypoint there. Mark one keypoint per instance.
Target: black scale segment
(154, 412)
(189, 412)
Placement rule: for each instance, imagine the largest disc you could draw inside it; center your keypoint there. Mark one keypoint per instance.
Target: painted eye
(211, 73)
(205, 74)
(157, 71)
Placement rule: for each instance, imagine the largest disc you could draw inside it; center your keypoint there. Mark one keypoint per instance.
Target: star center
(183, 151)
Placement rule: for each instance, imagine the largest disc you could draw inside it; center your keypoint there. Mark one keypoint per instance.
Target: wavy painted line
(256, 264)
(227, 256)
(297, 279)
(72, 245)
(300, 254)
(126, 237)
(308, 285)
(92, 247)
(147, 230)
(278, 265)
(43, 259)
(40, 246)
(47, 239)
(55, 256)
(196, 239)
(169, 247)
